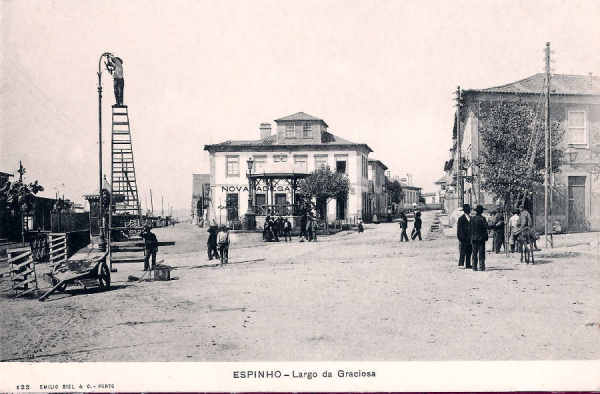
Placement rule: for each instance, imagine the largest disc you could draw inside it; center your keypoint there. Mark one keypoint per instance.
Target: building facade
(200, 197)
(299, 144)
(412, 195)
(575, 105)
(378, 197)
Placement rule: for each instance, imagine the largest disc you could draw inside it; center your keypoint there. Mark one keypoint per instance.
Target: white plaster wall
(219, 178)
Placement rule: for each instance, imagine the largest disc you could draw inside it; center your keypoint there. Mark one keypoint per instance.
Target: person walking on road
(211, 243)
(463, 233)
(151, 247)
(403, 226)
(416, 231)
(223, 242)
(479, 234)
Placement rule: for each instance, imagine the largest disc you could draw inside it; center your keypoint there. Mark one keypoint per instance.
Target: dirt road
(346, 297)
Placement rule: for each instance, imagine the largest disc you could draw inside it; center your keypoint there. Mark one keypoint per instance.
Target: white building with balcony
(300, 144)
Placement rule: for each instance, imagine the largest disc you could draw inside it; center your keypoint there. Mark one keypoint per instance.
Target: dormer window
(307, 130)
(290, 130)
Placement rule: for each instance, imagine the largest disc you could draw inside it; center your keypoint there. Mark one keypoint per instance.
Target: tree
(396, 192)
(19, 196)
(323, 184)
(508, 135)
(512, 158)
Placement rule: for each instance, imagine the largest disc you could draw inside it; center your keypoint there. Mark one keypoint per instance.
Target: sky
(199, 72)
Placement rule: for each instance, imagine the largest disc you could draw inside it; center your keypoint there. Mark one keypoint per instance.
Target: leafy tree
(512, 158)
(396, 192)
(323, 184)
(508, 136)
(19, 196)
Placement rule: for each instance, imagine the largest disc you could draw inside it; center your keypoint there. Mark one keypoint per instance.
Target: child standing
(223, 242)
(287, 230)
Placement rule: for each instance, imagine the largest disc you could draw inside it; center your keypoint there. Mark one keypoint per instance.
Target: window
(233, 166)
(340, 167)
(307, 130)
(300, 163)
(290, 130)
(320, 161)
(259, 164)
(279, 158)
(576, 125)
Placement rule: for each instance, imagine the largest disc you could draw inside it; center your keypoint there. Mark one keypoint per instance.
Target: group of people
(416, 231)
(275, 227)
(472, 233)
(218, 243)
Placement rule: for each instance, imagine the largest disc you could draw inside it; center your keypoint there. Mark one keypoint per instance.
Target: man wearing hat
(151, 246)
(463, 233)
(479, 234)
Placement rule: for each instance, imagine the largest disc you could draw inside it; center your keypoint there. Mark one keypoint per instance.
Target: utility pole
(459, 177)
(151, 204)
(162, 206)
(547, 154)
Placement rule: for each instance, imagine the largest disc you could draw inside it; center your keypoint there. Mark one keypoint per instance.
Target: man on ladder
(115, 67)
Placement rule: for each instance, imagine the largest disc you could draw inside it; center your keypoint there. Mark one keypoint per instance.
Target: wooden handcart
(88, 267)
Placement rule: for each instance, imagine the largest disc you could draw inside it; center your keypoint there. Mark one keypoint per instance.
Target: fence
(22, 271)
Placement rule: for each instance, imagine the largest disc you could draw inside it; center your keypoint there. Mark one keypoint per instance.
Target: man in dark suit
(479, 234)
(463, 233)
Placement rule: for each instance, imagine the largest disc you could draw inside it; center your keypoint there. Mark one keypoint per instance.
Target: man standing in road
(463, 233)
(479, 234)
(151, 247)
(499, 232)
(514, 228)
(211, 243)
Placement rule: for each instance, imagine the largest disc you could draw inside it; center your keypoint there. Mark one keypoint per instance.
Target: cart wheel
(104, 277)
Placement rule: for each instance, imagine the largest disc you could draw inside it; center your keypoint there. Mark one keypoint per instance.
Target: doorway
(232, 206)
(576, 218)
(340, 208)
(280, 202)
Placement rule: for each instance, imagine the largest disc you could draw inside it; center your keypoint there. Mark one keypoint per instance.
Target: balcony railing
(278, 210)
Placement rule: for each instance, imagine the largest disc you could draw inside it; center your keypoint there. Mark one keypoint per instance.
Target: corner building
(299, 144)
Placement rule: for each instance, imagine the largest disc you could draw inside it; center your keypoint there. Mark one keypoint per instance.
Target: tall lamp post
(250, 214)
(101, 224)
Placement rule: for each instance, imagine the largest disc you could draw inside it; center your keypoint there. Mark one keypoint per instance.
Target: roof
(5, 174)
(378, 162)
(300, 116)
(559, 84)
(328, 140)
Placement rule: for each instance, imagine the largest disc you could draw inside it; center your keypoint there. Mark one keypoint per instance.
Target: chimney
(591, 80)
(265, 130)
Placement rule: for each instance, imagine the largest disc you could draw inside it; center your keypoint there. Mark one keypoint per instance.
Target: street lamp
(101, 225)
(250, 214)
